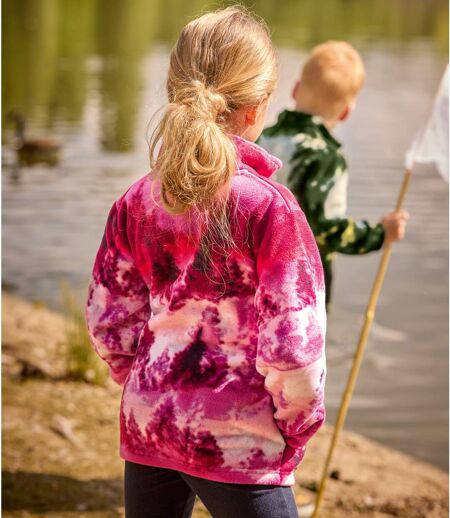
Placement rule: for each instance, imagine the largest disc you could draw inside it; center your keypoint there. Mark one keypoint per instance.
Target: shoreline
(61, 442)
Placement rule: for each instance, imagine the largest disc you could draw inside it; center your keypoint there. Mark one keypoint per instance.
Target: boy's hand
(394, 225)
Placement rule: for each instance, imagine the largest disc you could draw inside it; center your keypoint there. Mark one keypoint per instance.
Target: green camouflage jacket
(315, 170)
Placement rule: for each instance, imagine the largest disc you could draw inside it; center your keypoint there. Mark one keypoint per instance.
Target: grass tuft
(82, 362)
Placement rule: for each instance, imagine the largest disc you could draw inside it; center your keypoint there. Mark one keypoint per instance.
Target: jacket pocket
(291, 458)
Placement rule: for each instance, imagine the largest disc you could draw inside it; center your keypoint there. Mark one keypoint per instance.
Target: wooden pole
(364, 334)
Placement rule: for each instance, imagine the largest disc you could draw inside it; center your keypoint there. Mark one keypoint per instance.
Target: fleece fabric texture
(221, 355)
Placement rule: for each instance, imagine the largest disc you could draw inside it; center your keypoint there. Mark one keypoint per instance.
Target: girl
(207, 295)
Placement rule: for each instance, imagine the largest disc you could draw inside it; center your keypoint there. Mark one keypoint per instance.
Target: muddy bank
(60, 442)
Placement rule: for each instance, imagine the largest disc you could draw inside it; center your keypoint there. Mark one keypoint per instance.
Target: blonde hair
(331, 78)
(222, 61)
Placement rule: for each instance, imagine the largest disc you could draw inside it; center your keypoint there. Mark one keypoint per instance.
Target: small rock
(340, 502)
(30, 369)
(335, 474)
(311, 485)
(368, 501)
(64, 427)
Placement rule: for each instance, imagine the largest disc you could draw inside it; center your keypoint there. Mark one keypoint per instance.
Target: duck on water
(34, 150)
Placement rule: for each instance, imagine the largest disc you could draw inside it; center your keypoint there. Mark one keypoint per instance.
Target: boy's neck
(302, 107)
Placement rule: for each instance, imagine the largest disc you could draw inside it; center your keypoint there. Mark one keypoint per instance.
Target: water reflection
(75, 43)
(46, 46)
(123, 36)
(30, 51)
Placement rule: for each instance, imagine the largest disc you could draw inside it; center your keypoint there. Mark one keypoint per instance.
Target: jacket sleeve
(292, 324)
(117, 306)
(323, 194)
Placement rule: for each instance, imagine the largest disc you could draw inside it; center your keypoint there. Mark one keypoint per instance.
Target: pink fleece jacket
(222, 363)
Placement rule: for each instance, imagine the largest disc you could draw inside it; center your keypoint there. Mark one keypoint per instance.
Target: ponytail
(197, 157)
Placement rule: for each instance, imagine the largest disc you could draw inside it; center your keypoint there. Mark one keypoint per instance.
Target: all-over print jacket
(221, 358)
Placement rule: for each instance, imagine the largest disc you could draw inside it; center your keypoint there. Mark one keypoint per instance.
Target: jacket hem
(226, 475)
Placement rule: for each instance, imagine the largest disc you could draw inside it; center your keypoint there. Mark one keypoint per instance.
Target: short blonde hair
(332, 77)
(222, 61)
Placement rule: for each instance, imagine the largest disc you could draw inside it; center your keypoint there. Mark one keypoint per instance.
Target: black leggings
(163, 493)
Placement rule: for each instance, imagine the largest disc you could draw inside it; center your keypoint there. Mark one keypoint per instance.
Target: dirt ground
(60, 443)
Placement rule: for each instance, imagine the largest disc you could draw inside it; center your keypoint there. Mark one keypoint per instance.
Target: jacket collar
(251, 155)
(301, 120)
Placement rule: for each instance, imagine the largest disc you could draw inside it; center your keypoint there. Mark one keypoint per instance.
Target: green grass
(82, 362)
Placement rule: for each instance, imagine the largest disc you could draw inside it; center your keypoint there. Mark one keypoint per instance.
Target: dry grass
(83, 364)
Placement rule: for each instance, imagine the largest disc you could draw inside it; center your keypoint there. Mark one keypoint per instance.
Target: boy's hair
(222, 61)
(331, 78)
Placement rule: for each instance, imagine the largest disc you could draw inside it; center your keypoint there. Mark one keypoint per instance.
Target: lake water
(92, 73)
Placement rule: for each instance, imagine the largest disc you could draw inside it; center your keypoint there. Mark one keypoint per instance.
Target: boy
(314, 168)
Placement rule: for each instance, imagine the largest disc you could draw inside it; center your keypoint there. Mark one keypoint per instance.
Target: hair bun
(206, 101)
(215, 99)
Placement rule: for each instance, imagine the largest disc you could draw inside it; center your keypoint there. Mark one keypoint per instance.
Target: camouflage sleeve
(319, 180)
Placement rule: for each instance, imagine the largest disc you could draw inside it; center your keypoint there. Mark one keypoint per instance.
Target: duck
(32, 151)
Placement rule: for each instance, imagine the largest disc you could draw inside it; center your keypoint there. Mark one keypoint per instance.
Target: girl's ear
(251, 114)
